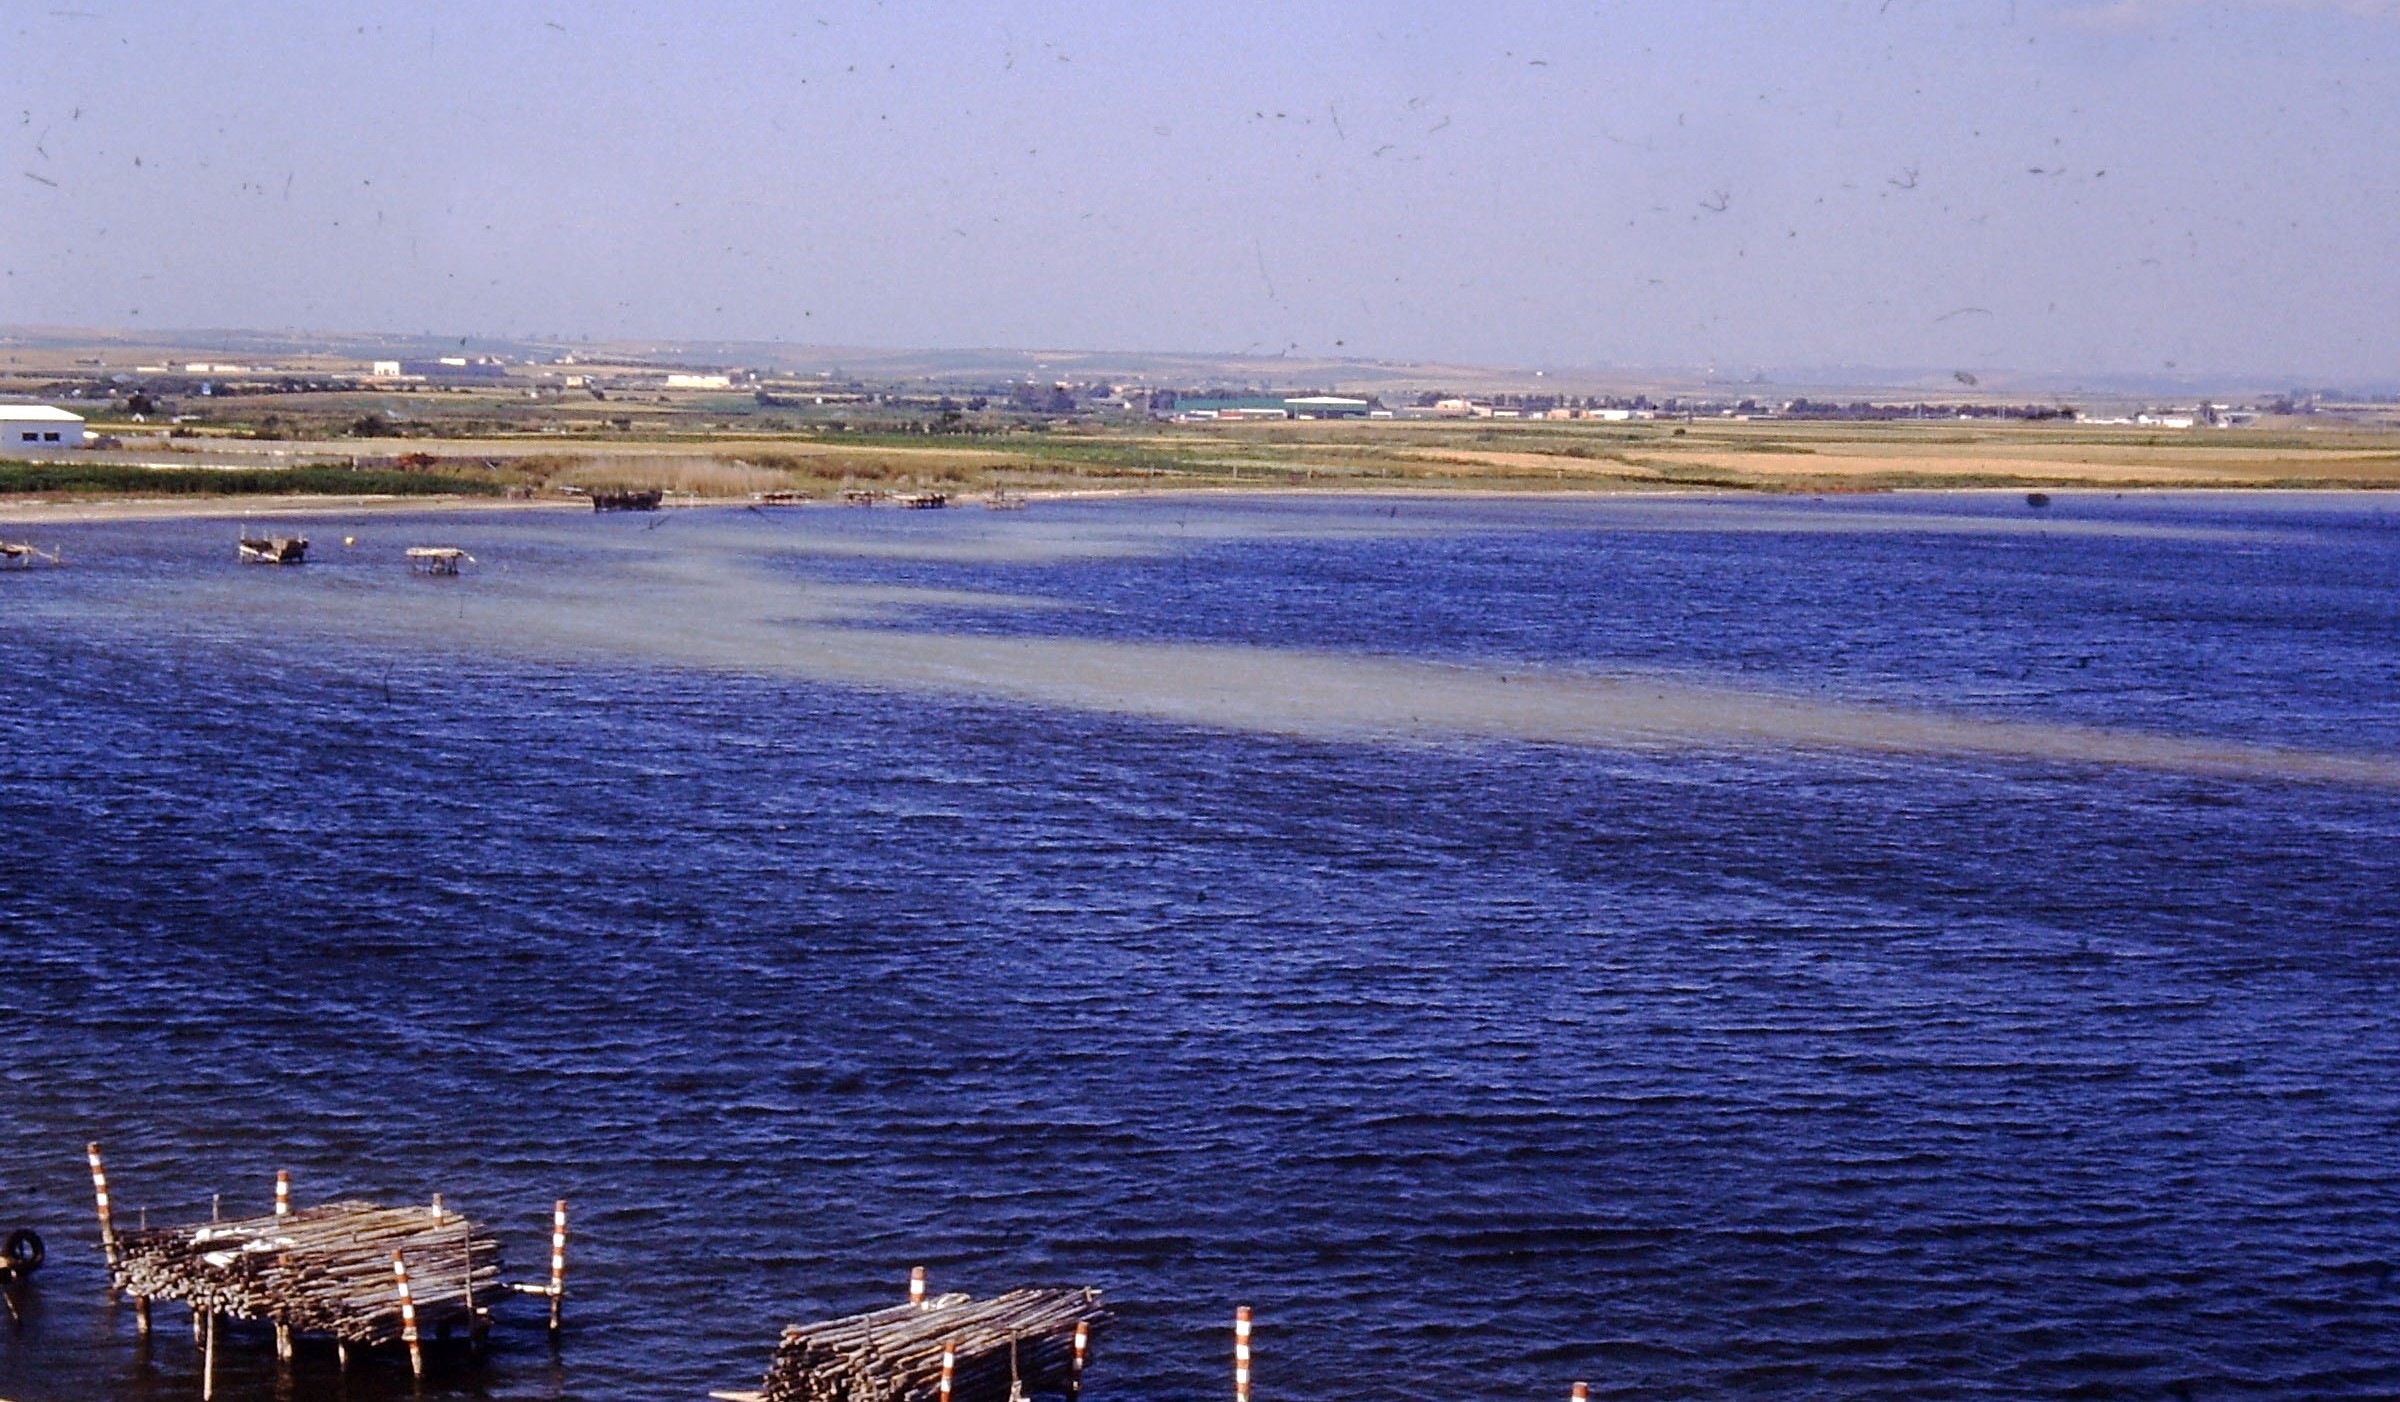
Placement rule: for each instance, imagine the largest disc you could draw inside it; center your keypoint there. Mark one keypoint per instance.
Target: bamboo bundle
(1022, 1342)
(321, 1270)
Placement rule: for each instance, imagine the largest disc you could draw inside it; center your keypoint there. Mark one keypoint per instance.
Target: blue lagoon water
(1881, 948)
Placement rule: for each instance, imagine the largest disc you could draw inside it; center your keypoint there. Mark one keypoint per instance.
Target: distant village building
(39, 426)
(681, 381)
(1326, 406)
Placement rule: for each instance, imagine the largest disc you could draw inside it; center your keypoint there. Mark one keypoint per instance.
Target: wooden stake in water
(283, 1209)
(108, 1220)
(208, 1362)
(1083, 1346)
(916, 1286)
(408, 1315)
(558, 1265)
(949, 1368)
(1241, 1354)
(1582, 1393)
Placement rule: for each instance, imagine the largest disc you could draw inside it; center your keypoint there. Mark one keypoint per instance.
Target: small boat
(437, 559)
(627, 500)
(925, 501)
(2037, 499)
(274, 550)
(14, 555)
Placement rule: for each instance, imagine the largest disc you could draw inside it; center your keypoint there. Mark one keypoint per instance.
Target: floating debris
(437, 559)
(274, 550)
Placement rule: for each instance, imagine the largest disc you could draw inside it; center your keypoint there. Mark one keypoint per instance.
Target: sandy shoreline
(236, 508)
(58, 512)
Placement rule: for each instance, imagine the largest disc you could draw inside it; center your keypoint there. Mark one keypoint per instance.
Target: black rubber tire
(24, 1250)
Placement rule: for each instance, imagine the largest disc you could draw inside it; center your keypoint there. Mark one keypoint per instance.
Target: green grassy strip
(18, 478)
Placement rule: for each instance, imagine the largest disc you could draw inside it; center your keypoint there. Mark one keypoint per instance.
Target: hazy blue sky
(2069, 185)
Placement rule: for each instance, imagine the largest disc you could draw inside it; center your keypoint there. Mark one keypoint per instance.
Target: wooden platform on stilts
(325, 1270)
(1021, 1344)
(360, 1274)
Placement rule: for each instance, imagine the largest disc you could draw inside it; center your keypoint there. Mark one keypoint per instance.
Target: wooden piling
(916, 1286)
(558, 1266)
(283, 1212)
(1241, 1354)
(1582, 1392)
(408, 1315)
(208, 1362)
(1083, 1347)
(108, 1221)
(949, 1368)
(141, 1315)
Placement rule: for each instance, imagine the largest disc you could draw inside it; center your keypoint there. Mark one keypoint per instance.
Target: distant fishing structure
(274, 550)
(437, 559)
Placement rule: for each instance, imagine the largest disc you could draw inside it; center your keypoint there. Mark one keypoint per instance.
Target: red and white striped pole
(108, 1220)
(408, 1315)
(949, 1368)
(916, 1286)
(1083, 1345)
(558, 1265)
(283, 1209)
(1241, 1354)
(1581, 1393)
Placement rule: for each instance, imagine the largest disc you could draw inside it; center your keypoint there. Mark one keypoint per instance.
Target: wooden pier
(360, 1274)
(947, 1348)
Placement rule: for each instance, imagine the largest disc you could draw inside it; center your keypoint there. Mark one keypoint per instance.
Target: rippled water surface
(1894, 948)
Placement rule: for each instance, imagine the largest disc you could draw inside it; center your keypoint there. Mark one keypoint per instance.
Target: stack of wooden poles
(322, 1270)
(1023, 1343)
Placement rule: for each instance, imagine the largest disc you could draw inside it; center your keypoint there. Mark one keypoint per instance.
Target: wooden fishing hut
(437, 559)
(925, 501)
(274, 550)
(860, 496)
(360, 1274)
(627, 500)
(944, 1348)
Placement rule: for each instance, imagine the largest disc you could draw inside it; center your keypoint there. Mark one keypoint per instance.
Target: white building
(38, 426)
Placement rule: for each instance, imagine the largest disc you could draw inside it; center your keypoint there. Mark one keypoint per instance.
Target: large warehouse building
(38, 426)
